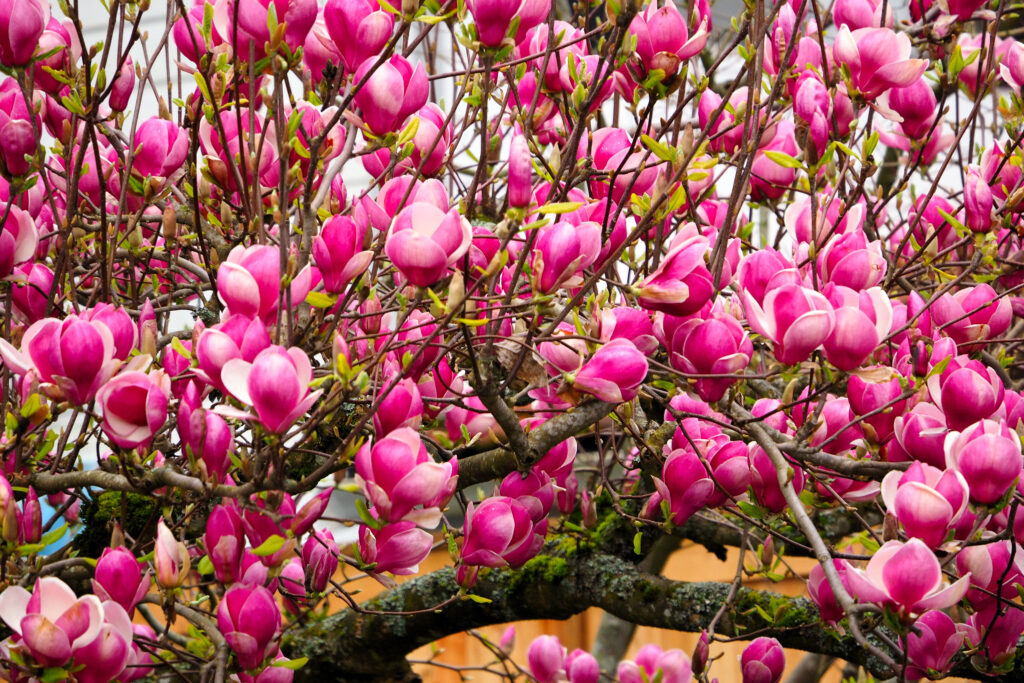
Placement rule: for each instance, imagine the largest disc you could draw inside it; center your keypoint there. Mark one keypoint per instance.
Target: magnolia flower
(906, 577)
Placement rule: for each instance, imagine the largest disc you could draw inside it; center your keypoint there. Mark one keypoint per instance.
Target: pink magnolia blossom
(821, 594)
(71, 358)
(628, 323)
(18, 240)
(931, 645)
(714, 346)
(971, 314)
(224, 541)
(360, 29)
(995, 568)
(768, 178)
(797, 320)
(401, 407)
(30, 292)
(988, 455)
(134, 406)
(397, 548)
(614, 373)
(674, 666)
(55, 627)
(119, 578)
(205, 436)
(851, 261)
(662, 38)
(249, 282)
(17, 138)
(536, 42)
(916, 105)
(250, 620)
(500, 533)
(338, 252)
(494, 18)
(546, 659)
(856, 14)
(275, 384)
(763, 661)
(319, 559)
(401, 480)
(862, 320)
(684, 486)
(878, 59)
(681, 284)
(22, 23)
(392, 92)
(561, 251)
(966, 391)
(56, 38)
(907, 578)
(171, 558)
(926, 501)
(424, 242)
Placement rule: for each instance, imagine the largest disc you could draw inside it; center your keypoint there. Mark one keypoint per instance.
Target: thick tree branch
(372, 644)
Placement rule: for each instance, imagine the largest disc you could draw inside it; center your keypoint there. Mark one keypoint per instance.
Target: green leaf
(638, 540)
(321, 300)
(560, 207)
(479, 598)
(180, 348)
(269, 546)
(54, 675)
(293, 664)
(660, 149)
(53, 535)
(783, 159)
(205, 565)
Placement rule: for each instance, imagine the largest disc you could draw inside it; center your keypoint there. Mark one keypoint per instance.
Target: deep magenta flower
(717, 345)
(500, 533)
(22, 23)
(685, 485)
(319, 559)
(119, 578)
(674, 665)
(681, 284)
(494, 18)
(988, 455)
(614, 373)
(397, 548)
(171, 558)
(338, 252)
(359, 28)
(931, 645)
(250, 621)
(546, 659)
(763, 661)
(224, 541)
(561, 251)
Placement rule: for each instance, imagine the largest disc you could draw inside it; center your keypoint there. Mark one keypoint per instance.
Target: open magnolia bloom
(907, 578)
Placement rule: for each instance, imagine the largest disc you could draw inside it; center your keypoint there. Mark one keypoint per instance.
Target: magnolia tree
(543, 288)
